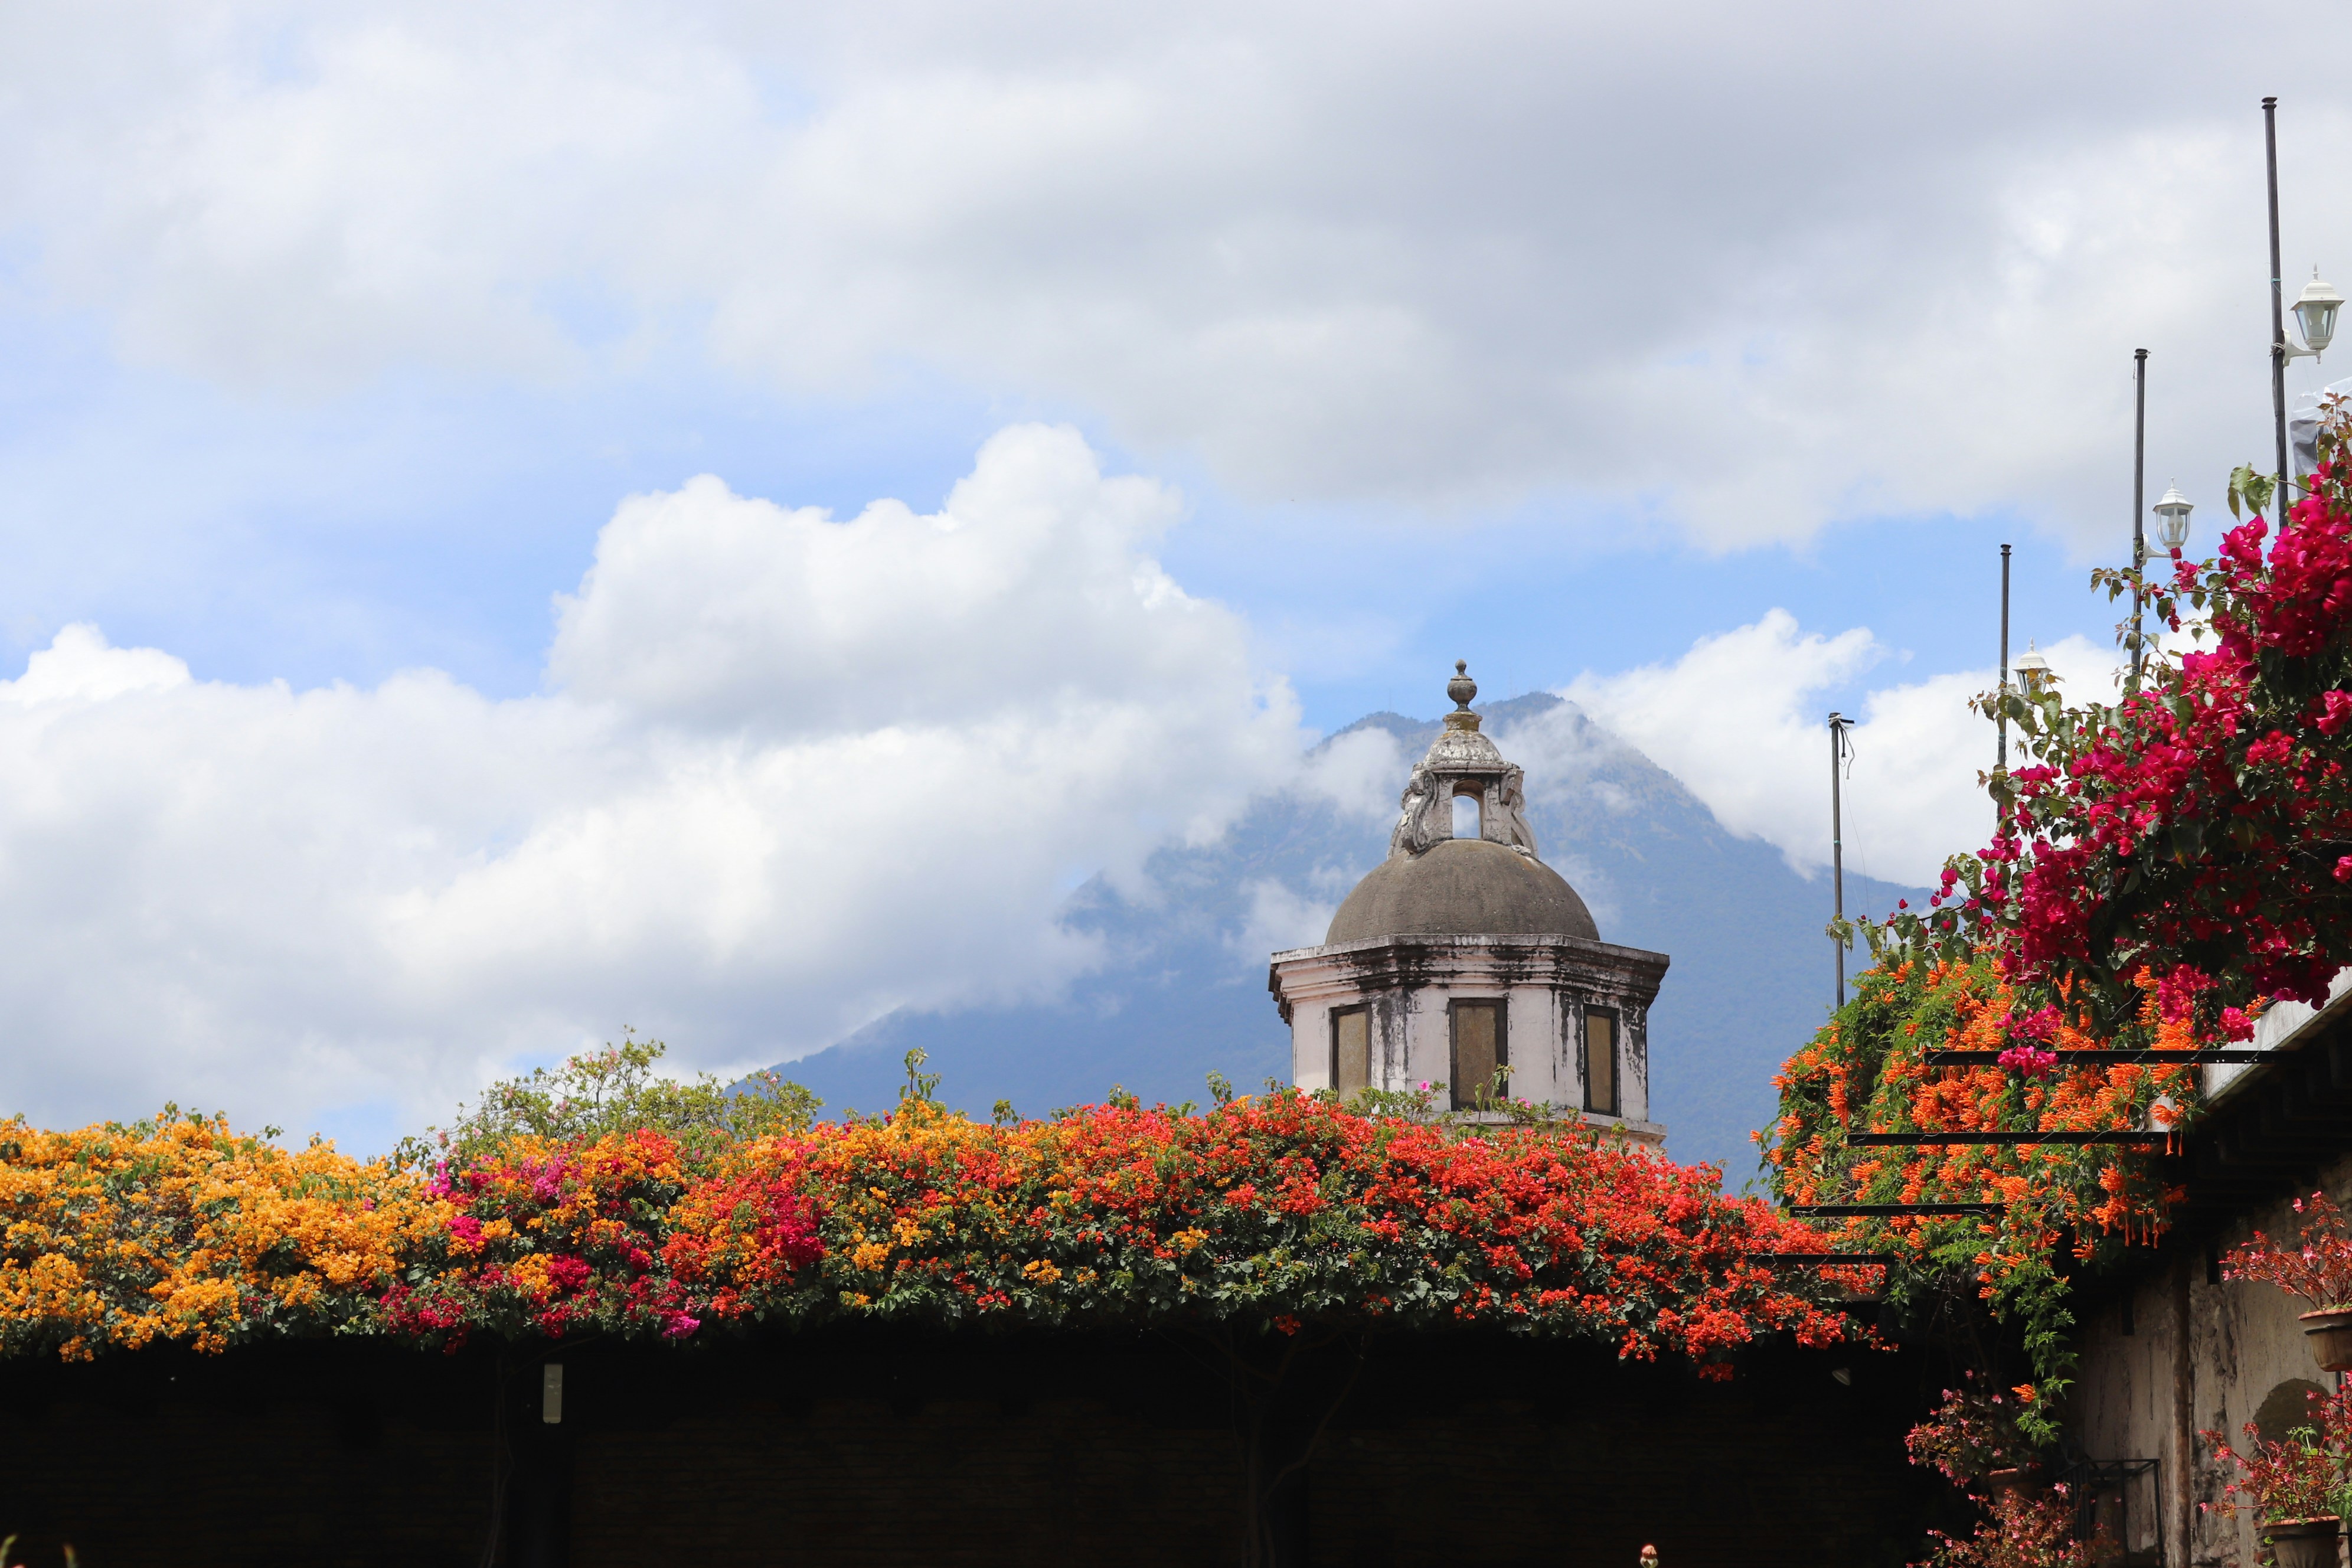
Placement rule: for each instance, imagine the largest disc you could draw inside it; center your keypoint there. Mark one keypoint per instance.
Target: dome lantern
(1466, 961)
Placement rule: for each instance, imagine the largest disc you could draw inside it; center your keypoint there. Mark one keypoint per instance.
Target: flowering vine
(1268, 1214)
(1280, 1210)
(1865, 1071)
(175, 1228)
(2163, 868)
(2199, 830)
(548, 1238)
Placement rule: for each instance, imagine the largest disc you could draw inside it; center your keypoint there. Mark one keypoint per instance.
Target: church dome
(1433, 884)
(1463, 887)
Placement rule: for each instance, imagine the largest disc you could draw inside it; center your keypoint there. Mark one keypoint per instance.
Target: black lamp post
(2139, 509)
(2315, 311)
(1840, 748)
(2000, 714)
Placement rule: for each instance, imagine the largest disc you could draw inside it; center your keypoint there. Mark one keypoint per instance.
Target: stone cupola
(1468, 962)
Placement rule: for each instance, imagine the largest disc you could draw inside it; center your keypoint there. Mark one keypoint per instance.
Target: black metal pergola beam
(1840, 1211)
(1933, 1140)
(2100, 1058)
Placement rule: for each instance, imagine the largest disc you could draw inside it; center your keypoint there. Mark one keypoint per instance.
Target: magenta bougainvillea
(2198, 831)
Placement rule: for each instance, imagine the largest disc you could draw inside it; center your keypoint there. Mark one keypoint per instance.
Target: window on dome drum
(1351, 1051)
(1479, 1050)
(1466, 823)
(1601, 1061)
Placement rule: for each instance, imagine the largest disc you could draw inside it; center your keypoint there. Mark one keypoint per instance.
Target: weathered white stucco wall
(1546, 986)
(2198, 1357)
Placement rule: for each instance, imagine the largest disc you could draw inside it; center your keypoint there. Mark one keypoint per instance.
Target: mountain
(1182, 990)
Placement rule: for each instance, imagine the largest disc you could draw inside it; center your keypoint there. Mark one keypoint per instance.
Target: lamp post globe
(2315, 312)
(2172, 517)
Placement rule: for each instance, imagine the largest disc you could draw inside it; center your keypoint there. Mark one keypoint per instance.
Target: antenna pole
(1837, 846)
(2139, 492)
(2278, 309)
(2001, 757)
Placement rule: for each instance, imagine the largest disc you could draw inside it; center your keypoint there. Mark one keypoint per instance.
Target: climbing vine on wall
(2165, 867)
(2061, 1205)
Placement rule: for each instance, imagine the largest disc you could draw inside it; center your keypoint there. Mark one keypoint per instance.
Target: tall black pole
(2139, 502)
(2000, 761)
(1837, 847)
(2278, 308)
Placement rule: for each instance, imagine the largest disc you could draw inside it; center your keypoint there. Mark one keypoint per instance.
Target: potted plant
(2318, 1266)
(2297, 1488)
(1974, 1439)
(2023, 1529)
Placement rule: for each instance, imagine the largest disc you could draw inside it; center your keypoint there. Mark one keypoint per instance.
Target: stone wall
(2198, 1355)
(866, 1448)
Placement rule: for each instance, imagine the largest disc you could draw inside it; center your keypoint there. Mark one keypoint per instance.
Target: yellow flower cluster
(177, 1229)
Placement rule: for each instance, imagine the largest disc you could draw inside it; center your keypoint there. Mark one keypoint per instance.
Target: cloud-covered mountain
(1181, 987)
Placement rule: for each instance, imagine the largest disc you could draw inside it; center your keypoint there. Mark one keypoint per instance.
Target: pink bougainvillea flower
(2030, 1061)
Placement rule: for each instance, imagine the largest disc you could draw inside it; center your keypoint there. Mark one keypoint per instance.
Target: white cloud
(78, 664)
(1737, 719)
(1842, 265)
(1568, 760)
(1281, 918)
(1361, 772)
(789, 773)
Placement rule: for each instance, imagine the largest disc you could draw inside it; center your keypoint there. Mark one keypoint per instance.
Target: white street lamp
(2172, 517)
(2033, 671)
(2315, 312)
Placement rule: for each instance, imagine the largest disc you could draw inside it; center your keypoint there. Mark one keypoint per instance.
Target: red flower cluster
(2028, 1061)
(1278, 1212)
(2163, 868)
(2306, 1475)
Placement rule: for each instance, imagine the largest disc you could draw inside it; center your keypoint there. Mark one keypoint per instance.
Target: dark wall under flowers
(872, 1447)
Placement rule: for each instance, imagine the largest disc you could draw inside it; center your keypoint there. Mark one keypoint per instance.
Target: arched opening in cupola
(1467, 821)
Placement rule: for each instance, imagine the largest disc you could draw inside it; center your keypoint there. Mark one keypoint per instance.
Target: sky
(527, 520)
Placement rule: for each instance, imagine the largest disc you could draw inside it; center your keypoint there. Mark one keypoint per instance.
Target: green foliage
(617, 1090)
(923, 1088)
(1411, 1104)
(1489, 1101)
(2251, 491)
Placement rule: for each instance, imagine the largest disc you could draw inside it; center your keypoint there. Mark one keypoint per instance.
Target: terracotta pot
(2304, 1542)
(2331, 1338)
(2004, 1483)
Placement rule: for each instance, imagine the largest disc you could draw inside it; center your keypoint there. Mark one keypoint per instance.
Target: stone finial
(1462, 689)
